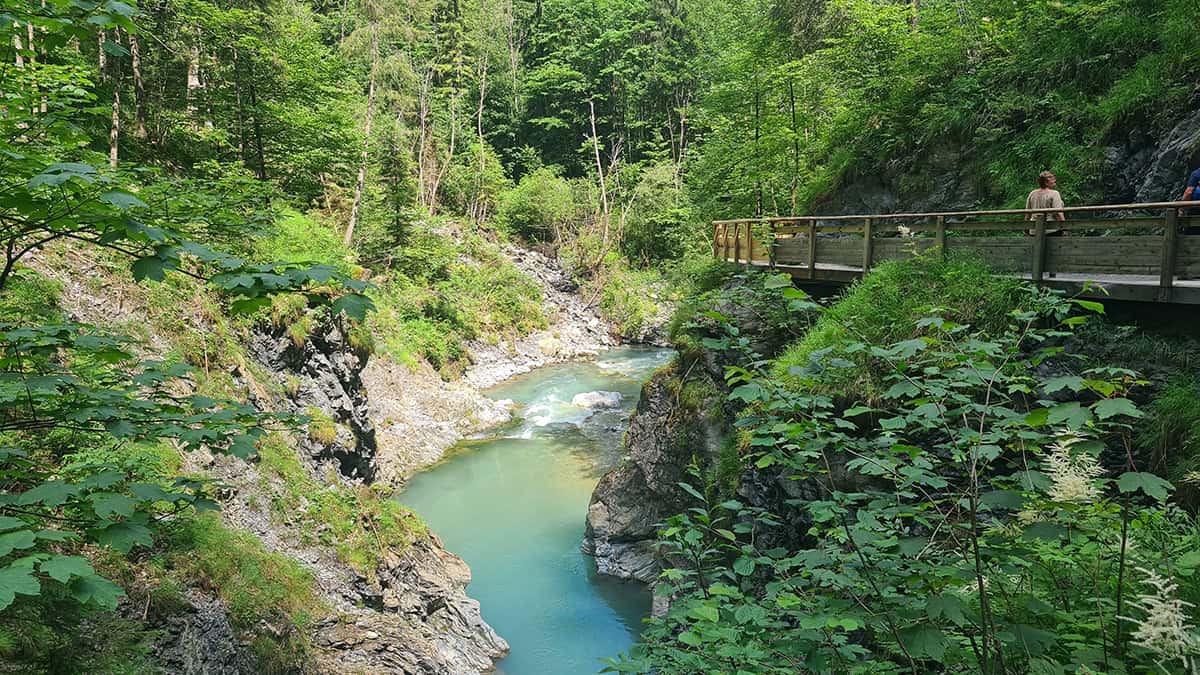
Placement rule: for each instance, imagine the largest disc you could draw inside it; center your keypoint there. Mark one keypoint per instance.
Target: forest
(987, 478)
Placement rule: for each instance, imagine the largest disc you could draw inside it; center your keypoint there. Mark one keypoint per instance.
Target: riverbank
(418, 416)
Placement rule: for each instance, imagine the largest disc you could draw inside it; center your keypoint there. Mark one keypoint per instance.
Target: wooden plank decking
(1128, 256)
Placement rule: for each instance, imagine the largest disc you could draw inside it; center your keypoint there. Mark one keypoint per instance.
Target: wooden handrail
(963, 214)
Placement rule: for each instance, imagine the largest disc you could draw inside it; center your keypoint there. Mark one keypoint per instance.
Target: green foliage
(300, 238)
(363, 524)
(885, 306)
(804, 101)
(257, 585)
(1172, 435)
(538, 207)
(970, 519)
(441, 295)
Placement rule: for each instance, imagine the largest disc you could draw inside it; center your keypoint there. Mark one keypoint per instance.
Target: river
(513, 506)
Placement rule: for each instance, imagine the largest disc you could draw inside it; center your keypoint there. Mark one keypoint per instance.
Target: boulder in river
(597, 399)
(667, 430)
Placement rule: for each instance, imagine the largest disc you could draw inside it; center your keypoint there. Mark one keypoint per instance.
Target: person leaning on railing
(1046, 197)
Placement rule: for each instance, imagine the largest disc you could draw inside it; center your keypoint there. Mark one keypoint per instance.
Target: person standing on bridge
(1046, 197)
(1191, 194)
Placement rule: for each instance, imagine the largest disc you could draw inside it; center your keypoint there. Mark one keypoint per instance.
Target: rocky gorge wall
(1142, 167)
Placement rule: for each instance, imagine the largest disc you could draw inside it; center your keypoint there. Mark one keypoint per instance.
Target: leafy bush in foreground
(981, 515)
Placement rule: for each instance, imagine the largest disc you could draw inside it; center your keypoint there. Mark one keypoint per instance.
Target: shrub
(884, 307)
(539, 206)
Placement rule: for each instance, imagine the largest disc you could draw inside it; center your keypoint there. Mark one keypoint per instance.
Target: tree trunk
(441, 172)
(795, 144)
(362, 165)
(600, 176)
(423, 137)
(252, 92)
(758, 190)
(139, 86)
(114, 132)
(193, 83)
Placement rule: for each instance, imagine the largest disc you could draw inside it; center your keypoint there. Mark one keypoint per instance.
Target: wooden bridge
(1139, 252)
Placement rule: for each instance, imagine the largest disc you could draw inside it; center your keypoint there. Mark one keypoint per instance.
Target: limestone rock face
(324, 373)
(629, 502)
(418, 620)
(200, 640)
(1174, 157)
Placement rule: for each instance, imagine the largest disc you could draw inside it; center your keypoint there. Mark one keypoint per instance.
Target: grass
(361, 523)
(884, 308)
(321, 429)
(256, 584)
(30, 298)
(270, 597)
(439, 295)
(1172, 437)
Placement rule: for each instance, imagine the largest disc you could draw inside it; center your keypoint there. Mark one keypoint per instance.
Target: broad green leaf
(1031, 640)
(1152, 485)
(124, 536)
(98, 590)
(778, 281)
(9, 523)
(16, 579)
(19, 539)
(150, 267)
(51, 493)
(924, 641)
(1070, 414)
(705, 613)
(122, 200)
(949, 607)
(62, 567)
(108, 504)
(1111, 407)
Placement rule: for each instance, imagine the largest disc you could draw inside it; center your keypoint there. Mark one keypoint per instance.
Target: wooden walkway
(1138, 252)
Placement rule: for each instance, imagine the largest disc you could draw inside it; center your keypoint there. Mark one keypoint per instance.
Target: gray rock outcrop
(323, 373)
(199, 640)
(665, 434)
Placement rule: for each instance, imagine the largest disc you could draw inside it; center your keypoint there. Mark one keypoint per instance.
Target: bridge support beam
(1039, 248)
(868, 246)
(1166, 269)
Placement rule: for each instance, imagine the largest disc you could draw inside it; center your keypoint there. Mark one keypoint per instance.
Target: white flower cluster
(1165, 630)
(1073, 474)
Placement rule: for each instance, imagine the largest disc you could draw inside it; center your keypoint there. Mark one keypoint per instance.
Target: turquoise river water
(513, 506)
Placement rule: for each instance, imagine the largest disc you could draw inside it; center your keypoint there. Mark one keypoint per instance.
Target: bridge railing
(1143, 244)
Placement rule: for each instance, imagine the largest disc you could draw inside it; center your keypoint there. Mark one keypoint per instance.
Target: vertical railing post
(1170, 244)
(771, 242)
(715, 250)
(868, 246)
(941, 236)
(725, 242)
(812, 249)
(1039, 248)
(737, 242)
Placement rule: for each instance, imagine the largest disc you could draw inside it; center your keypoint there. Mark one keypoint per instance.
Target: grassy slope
(187, 322)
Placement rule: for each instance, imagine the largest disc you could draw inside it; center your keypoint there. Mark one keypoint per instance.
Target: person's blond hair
(1044, 178)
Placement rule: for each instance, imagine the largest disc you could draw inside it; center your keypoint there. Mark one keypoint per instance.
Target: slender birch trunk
(362, 166)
